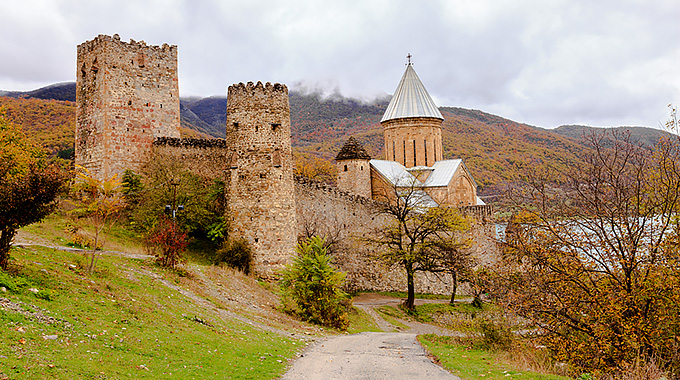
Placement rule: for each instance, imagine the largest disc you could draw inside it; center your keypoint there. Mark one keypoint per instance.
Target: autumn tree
(100, 200)
(29, 185)
(418, 235)
(593, 255)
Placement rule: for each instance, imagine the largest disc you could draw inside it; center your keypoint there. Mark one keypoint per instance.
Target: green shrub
(235, 254)
(311, 286)
(14, 285)
(496, 335)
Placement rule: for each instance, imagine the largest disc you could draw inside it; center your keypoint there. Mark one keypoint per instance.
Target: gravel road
(367, 356)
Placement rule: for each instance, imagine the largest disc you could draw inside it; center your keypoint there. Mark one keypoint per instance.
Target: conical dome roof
(411, 99)
(352, 150)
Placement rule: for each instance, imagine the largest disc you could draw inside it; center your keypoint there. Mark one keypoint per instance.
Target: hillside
(646, 136)
(493, 147)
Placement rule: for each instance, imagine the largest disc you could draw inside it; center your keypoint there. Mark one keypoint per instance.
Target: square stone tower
(260, 185)
(127, 95)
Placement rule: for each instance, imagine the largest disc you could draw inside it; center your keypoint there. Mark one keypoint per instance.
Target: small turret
(354, 171)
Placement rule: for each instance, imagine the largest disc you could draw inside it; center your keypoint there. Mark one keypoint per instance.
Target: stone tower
(354, 170)
(127, 95)
(260, 187)
(412, 124)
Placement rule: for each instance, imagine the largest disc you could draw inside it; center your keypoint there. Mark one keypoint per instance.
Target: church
(412, 126)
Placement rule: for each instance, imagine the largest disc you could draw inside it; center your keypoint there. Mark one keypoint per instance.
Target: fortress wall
(325, 210)
(203, 157)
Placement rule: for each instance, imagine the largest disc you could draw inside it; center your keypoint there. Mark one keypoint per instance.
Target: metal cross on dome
(409, 56)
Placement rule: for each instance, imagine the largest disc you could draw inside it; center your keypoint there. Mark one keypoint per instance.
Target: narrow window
(276, 158)
(404, 152)
(394, 153)
(129, 102)
(234, 161)
(414, 153)
(345, 168)
(235, 125)
(425, 147)
(257, 128)
(362, 167)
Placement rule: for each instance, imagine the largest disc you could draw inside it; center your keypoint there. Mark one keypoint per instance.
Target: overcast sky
(541, 62)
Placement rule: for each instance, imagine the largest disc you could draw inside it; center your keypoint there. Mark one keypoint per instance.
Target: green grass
(393, 315)
(121, 322)
(417, 295)
(468, 362)
(360, 321)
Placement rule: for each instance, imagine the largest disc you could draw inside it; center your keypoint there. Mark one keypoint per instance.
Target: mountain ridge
(493, 147)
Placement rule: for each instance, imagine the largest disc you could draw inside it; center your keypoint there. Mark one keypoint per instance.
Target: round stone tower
(412, 124)
(354, 170)
(260, 187)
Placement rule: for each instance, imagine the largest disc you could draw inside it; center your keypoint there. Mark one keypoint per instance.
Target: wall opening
(276, 158)
(425, 147)
(414, 153)
(345, 168)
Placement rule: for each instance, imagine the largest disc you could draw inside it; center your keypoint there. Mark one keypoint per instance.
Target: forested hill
(494, 148)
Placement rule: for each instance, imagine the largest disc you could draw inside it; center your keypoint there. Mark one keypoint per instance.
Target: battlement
(259, 88)
(333, 191)
(190, 142)
(482, 212)
(132, 45)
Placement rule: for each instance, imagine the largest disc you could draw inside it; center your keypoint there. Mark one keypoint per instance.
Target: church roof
(397, 175)
(443, 172)
(411, 99)
(352, 150)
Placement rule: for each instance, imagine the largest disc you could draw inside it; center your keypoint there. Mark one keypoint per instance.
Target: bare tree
(419, 236)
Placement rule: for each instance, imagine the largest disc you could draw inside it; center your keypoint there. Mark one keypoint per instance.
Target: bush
(167, 242)
(235, 254)
(496, 335)
(311, 286)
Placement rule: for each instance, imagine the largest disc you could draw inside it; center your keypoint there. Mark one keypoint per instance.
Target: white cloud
(544, 63)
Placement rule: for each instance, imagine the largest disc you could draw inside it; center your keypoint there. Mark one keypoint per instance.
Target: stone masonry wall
(127, 95)
(354, 177)
(259, 181)
(204, 157)
(347, 219)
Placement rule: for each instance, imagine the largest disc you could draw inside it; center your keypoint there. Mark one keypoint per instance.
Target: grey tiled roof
(411, 99)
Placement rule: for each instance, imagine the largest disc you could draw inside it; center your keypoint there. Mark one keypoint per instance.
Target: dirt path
(393, 354)
(367, 356)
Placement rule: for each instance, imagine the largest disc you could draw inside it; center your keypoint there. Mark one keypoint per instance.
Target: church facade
(413, 154)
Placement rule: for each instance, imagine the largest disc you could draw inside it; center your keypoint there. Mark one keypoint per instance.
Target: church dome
(411, 99)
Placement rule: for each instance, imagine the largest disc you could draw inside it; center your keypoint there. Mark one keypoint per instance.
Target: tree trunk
(410, 299)
(94, 251)
(5, 245)
(454, 276)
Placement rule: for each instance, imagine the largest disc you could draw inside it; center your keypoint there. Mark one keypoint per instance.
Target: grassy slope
(132, 319)
(127, 320)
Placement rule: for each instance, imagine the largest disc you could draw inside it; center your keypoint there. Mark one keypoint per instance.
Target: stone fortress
(128, 110)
